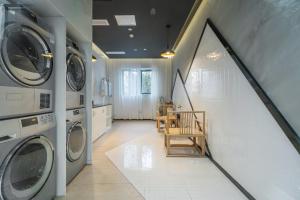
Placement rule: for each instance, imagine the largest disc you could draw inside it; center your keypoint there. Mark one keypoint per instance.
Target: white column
(58, 25)
(87, 47)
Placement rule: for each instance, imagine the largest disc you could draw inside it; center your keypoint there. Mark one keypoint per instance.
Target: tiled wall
(243, 136)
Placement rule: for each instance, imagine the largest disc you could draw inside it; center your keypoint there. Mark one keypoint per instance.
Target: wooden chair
(190, 129)
(161, 116)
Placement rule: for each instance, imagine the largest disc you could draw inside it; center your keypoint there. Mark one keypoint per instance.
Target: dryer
(76, 142)
(76, 76)
(27, 157)
(26, 62)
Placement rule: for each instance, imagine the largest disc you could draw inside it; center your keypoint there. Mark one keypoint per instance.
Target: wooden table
(172, 119)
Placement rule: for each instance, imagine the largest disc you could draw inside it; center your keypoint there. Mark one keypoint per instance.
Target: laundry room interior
(149, 99)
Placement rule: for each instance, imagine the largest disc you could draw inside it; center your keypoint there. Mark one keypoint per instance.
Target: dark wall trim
(239, 186)
(195, 53)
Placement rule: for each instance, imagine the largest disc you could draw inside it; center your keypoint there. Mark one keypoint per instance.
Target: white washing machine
(76, 76)
(27, 158)
(26, 62)
(76, 142)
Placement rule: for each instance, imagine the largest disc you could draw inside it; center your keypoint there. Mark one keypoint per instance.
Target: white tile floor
(102, 180)
(156, 177)
(140, 169)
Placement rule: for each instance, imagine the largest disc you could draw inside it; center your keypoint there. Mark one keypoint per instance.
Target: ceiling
(150, 33)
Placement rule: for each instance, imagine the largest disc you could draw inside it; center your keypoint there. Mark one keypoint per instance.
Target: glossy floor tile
(156, 177)
(130, 164)
(102, 180)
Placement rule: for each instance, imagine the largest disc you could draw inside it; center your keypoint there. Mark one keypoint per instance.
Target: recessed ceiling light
(130, 29)
(115, 52)
(153, 11)
(135, 49)
(145, 49)
(126, 20)
(131, 35)
(100, 22)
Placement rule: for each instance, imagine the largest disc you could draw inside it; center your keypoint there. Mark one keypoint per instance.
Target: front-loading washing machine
(26, 62)
(76, 76)
(76, 142)
(27, 157)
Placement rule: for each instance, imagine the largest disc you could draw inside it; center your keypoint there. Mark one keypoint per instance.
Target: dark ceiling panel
(150, 32)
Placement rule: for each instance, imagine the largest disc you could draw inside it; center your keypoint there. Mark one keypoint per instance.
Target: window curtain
(128, 101)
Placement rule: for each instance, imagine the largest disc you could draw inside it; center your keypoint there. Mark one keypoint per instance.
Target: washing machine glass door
(76, 141)
(26, 56)
(76, 74)
(26, 169)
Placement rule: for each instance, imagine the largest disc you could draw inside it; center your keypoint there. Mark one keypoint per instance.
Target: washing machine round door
(76, 141)
(26, 169)
(26, 57)
(76, 74)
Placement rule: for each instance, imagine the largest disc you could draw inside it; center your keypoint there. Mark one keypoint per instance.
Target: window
(136, 82)
(130, 82)
(146, 76)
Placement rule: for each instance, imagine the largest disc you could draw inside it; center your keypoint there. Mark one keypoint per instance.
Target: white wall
(78, 13)
(99, 72)
(265, 35)
(243, 136)
(179, 97)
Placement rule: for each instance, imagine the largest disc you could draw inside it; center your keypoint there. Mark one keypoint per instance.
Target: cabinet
(102, 120)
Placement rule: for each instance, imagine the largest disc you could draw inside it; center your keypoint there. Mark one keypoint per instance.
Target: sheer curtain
(128, 100)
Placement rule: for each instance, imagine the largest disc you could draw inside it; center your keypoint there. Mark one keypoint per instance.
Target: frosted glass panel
(243, 136)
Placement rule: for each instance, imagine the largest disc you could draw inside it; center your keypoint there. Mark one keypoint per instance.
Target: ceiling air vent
(100, 22)
(116, 52)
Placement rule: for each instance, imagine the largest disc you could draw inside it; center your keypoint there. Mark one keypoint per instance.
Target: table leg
(168, 145)
(202, 144)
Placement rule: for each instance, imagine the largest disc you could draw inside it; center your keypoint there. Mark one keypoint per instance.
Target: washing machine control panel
(47, 118)
(37, 124)
(75, 115)
(29, 122)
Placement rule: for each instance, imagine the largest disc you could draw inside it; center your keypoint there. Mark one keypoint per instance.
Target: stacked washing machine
(76, 128)
(27, 124)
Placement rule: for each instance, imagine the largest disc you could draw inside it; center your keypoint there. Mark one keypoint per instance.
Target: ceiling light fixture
(94, 59)
(130, 29)
(168, 53)
(131, 35)
(153, 11)
(125, 20)
(145, 49)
